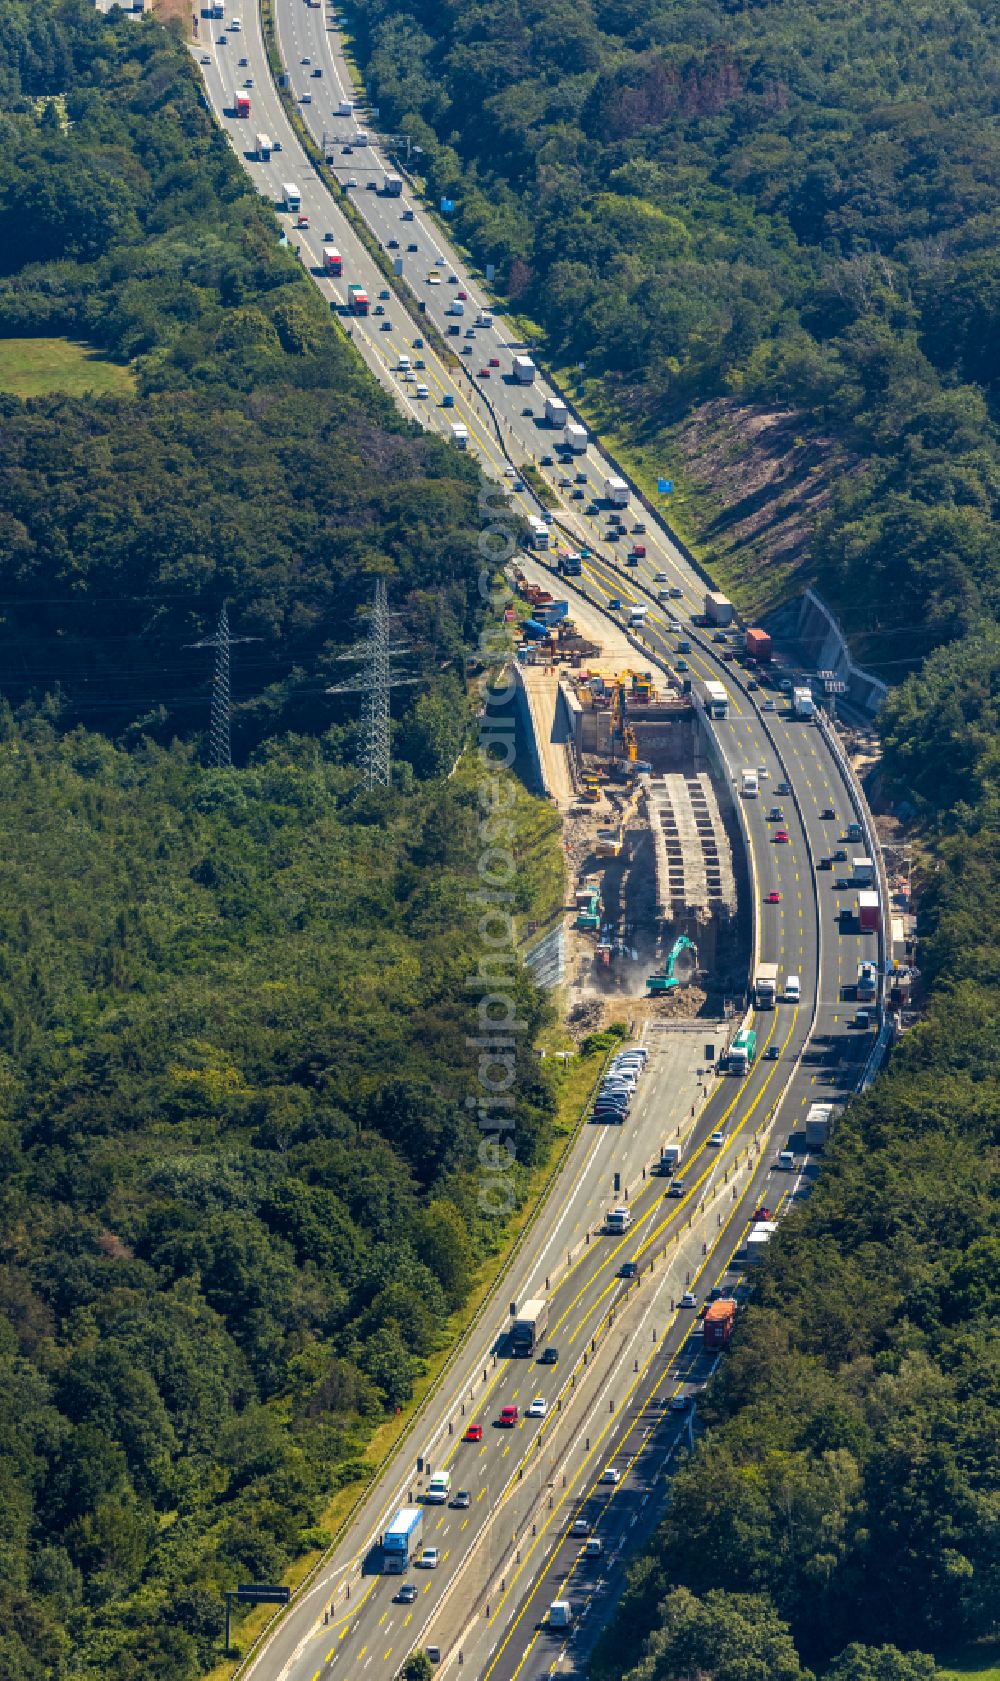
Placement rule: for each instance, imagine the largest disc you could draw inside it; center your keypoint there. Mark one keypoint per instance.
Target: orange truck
(719, 1322)
(758, 645)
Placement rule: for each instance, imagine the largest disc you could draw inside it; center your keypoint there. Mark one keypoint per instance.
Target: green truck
(743, 1051)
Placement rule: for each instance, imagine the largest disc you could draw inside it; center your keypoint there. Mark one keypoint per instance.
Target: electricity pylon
(375, 683)
(220, 748)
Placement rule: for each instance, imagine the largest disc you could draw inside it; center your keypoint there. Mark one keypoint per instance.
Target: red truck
(242, 105)
(758, 646)
(719, 1322)
(357, 300)
(333, 262)
(869, 915)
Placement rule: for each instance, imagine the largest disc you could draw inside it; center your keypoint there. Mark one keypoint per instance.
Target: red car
(640, 550)
(463, 295)
(774, 897)
(508, 1417)
(302, 221)
(781, 835)
(474, 1433)
(484, 373)
(494, 361)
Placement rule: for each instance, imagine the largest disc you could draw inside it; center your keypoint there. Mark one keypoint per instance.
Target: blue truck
(399, 1543)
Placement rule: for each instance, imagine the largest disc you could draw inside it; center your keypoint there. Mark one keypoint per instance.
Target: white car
(717, 1138)
(688, 1299)
(428, 1559)
(594, 1547)
(539, 1407)
(580, 1527)
(610, 1475)
(661, 577)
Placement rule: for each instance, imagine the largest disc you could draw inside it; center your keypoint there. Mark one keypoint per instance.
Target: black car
(783, 788)
(772, 1053)
(828, 814)
(549, 1357)
(394, 245)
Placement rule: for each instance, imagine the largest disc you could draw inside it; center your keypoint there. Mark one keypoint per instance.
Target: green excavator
(666, 981)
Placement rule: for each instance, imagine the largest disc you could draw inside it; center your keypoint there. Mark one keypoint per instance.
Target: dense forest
(238, 1192)
(793, 207)
(239, 1182)
(258, 463)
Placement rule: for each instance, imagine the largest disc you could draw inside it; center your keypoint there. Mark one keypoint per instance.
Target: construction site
(650, 834)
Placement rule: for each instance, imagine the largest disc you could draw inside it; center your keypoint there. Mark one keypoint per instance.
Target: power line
(375, 684)
(220, 747)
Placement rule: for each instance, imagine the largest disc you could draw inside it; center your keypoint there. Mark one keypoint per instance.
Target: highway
(594, 1311)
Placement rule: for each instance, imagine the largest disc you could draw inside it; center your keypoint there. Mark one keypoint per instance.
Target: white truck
(345, 108)
(716, 699)
(484, 318)
(459, 434)
(803, 704)
(637, 616)
(758, 1238)
(819, 1125)
(616, 491)
(671, 1156)
(556, 412)
(765, 986)
(748, 784)
(291, 196)
(541, 536)
(577, 437)
(393, 186)
(439, 1488)
(618, 1221)
(524, 370)
(718, 608)
(263, 148)
(863, 871)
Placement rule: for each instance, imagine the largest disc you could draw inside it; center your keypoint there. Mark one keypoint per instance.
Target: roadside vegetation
(240, 1214)
(736, 216)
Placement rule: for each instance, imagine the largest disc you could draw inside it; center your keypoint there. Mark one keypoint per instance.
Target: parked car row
(619, 1085)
